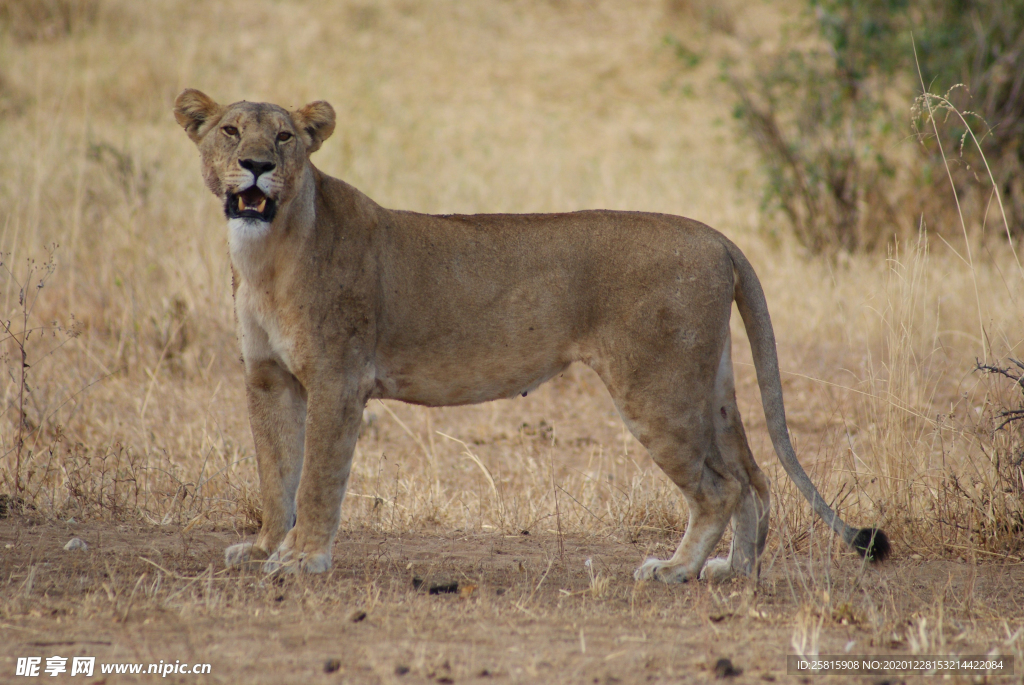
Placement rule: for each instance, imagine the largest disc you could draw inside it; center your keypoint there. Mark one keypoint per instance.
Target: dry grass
(133, 408)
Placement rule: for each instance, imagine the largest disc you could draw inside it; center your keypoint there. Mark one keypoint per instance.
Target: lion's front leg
(331, 431)
(277, 416)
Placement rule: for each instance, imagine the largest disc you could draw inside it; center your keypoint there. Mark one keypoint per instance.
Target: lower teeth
(242, 206)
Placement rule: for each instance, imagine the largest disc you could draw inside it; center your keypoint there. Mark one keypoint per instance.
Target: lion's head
(252, 152)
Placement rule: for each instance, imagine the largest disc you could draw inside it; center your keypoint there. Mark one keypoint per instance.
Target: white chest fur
(246, 240)
(261, 334)
(259, 330)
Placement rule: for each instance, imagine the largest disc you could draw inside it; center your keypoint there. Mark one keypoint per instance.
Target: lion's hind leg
(749, 532)
(693, 431)
(712, 491)
(674, 424)
(750, 519)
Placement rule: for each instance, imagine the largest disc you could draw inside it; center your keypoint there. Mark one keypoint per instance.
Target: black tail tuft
(872, 544)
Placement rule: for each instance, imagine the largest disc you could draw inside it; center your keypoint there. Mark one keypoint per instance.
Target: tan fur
(339, 300)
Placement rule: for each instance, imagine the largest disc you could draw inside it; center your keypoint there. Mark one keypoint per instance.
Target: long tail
(871, 543)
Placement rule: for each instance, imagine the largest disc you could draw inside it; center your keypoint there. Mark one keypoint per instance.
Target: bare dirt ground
(462, 607)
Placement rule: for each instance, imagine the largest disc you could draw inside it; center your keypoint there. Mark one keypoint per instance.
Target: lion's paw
(246, 556)
(319, 562)
(237, 556)
(718, 570)
(287, 560)
(280, 563)
(665, 571)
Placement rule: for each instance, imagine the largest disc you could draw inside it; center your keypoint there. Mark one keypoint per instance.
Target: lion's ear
(192, 109)
(316, 121)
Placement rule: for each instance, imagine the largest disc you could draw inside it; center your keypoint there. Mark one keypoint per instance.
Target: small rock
(357, 616)
(332, 665)
(401, 669)
(75, 543)
(725, 669)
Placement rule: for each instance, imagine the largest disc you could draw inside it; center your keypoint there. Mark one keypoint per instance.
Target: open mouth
(251, 203)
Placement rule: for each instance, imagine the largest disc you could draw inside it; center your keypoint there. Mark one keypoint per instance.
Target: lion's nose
(256, 167)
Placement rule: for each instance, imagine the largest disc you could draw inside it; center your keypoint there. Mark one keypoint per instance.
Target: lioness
(339, 300)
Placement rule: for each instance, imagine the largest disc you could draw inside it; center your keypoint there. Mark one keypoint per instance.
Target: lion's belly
(446, 382)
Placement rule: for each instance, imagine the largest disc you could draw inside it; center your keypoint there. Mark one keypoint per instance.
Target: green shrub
(979, 45)
(828, 117)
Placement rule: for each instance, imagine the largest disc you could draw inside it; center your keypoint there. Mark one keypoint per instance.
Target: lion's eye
(284, 135)
(230, 130)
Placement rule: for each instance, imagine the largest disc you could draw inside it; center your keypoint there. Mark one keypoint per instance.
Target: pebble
(75, 543)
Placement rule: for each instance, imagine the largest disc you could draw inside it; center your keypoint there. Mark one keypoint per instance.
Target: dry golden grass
(134, 409)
